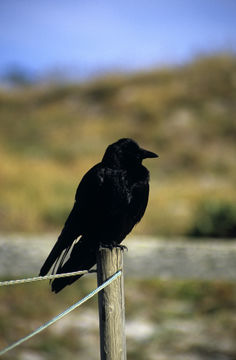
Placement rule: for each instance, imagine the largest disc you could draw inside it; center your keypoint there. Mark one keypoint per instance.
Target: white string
(47, 277)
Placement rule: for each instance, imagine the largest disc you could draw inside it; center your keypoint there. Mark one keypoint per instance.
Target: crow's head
(125, 153)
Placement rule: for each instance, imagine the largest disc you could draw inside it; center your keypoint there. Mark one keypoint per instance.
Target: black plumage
(111, 198)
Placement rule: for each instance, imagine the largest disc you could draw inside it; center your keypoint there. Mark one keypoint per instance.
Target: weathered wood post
(111, 305)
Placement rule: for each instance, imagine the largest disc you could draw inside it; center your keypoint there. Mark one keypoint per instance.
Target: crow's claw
(122, 247)
(112, 246)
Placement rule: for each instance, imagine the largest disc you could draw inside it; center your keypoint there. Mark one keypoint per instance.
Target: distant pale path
(147, 257)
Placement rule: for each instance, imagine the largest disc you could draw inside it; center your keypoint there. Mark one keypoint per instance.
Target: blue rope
(58, 317)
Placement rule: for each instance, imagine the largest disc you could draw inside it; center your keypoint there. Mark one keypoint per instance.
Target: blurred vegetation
(51, 135)
(215, 219)
(188, 319)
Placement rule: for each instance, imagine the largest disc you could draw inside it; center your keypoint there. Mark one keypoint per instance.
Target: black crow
(110, 199)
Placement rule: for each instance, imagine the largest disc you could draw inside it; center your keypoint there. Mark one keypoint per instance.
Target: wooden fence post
(111, 305)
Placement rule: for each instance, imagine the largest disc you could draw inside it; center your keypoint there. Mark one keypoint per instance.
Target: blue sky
(99, 35)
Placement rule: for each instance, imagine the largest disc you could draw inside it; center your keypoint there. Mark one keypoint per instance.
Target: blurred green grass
(50, 136)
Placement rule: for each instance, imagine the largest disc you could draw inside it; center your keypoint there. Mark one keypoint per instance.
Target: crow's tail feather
(82, 257)
(69, 234)
(53, 256)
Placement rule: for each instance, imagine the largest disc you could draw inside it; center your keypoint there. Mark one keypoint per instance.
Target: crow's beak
(148, 154)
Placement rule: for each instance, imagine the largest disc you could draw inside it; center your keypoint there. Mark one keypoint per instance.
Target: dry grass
(50, 136)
